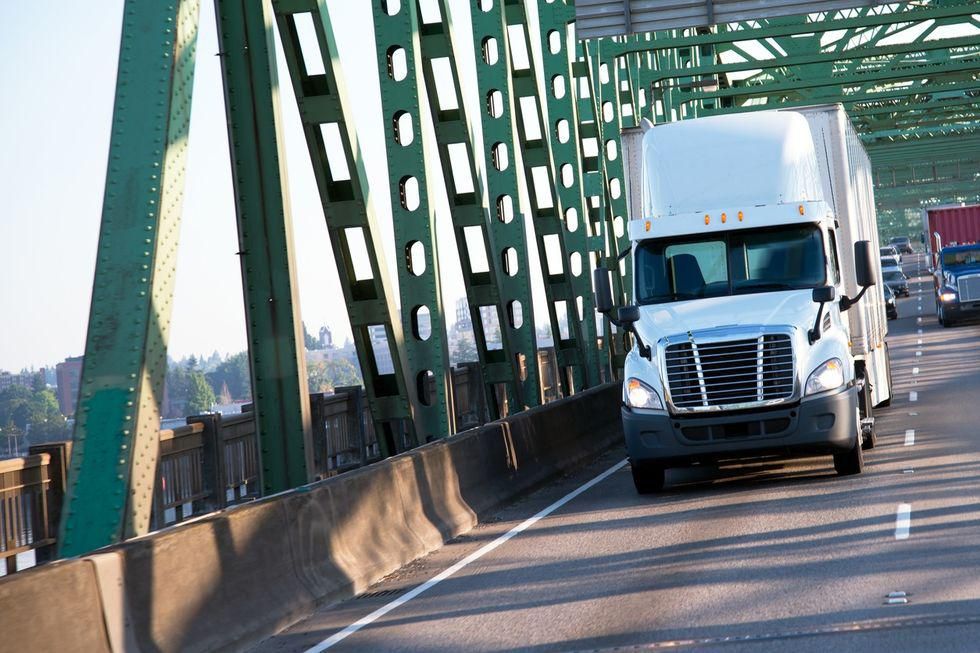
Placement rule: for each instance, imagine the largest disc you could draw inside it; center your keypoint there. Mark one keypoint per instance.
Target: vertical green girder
(604, 79)
(586, 132)
(566, 292)
(265, 239)
(561, 145)
(464, 189)
(113, 462)
(326, 112)
(506, 227)
(422, 310)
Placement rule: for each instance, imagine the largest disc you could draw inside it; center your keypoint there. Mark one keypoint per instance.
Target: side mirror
(824, 295)
(603, 290)
(628, 315)
(821, 296)
(864, 270)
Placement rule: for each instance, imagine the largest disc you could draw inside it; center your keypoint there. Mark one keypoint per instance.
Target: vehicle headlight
(947, 296)
(828, 376)
(639, 395)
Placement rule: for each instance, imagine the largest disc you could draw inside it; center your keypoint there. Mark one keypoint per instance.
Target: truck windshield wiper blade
(769, 285)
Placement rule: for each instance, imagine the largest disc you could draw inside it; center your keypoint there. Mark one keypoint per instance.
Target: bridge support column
(276, 355)
(113, 461)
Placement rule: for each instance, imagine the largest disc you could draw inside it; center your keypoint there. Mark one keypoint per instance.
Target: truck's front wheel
(648, 477)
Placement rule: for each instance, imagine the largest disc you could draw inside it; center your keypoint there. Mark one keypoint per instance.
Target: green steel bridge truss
(546, 129)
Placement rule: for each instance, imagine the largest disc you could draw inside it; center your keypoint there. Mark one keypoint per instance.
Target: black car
(891, 305)
(902, 243)
(897, 281)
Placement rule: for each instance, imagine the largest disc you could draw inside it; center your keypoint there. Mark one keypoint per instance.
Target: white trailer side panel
(848, 185)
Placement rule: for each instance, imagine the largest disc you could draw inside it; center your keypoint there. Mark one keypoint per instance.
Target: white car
(890, 252)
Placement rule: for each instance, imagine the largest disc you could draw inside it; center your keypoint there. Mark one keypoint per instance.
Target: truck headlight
(828, 376)
(639, 395)
(947, 296)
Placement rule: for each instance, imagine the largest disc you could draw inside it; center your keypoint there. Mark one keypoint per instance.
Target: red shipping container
(954, 225)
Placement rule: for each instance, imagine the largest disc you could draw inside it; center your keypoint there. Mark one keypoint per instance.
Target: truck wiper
(769, 285)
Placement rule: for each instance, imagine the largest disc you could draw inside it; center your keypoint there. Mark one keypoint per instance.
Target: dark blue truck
(957, 281)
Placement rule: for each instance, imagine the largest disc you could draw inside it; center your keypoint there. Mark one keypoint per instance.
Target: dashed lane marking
(903, 521)
(913, 396)
(909, 437)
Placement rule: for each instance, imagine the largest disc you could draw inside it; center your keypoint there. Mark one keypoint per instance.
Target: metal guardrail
(213, 461)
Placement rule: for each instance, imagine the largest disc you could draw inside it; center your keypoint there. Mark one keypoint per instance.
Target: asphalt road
(762, 557)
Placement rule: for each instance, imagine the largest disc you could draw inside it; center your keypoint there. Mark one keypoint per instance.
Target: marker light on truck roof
(707, 219)
(802, 210)
(648, 225)
(740, 216)
(724, 218)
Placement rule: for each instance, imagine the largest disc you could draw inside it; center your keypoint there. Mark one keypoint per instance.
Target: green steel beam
(562, 252)
(482, 270)
(423, 313)
(265, 238)
(817, 24)
(910, 73)
(583, 235)
(328, 123)
(113, 462)
(507, 233)
(596, 214)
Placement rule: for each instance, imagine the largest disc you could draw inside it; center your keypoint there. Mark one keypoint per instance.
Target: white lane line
(919, 341)
(919, 320)
(909, 437)
(915, 370)
(918, 353)
(903, 521)
(476, 555)
(920, 331)
(913, 396)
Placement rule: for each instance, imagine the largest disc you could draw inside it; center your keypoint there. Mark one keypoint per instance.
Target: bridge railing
(213, 461)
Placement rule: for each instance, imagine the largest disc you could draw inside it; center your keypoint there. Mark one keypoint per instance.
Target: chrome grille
(969, 288)
(732, 372)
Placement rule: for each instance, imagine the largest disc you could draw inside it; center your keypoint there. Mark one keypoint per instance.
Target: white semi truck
(753, 241)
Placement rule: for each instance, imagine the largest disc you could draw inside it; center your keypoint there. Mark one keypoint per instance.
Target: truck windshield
(731, 263)
(962, 257)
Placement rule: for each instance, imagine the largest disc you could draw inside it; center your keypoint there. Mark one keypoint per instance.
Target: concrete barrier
(227, 580)
(56, 607)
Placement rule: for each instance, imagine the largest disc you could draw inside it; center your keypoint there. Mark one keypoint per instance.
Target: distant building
(25, 379)
(382, 353)
(463, 320)
(326, 338)
(69, 374)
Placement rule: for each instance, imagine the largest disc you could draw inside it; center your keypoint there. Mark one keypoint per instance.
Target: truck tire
(851, 462)
(648, 478)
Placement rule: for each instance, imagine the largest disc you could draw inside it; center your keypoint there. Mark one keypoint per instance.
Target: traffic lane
(752, 549)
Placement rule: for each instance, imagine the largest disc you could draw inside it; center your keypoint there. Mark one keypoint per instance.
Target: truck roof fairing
(740, 160)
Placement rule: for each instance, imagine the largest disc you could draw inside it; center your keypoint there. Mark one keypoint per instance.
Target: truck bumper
(958, 311)
(822, 425)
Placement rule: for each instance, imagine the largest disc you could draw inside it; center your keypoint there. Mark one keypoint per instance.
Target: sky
(54, 144)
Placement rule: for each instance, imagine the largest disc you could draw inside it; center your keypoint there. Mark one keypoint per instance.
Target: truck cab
(957, 284)
(744, 272)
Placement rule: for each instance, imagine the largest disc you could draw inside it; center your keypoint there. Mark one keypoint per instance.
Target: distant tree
(311, 343)
(192, 362)
(38, 384)
(324, 376)
(233, 373)
(224, 397)
(200, 396)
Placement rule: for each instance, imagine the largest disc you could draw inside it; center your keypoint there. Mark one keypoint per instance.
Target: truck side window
(834, 261)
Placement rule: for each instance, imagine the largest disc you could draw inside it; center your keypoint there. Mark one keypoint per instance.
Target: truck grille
(969, 288)
(757, 370)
